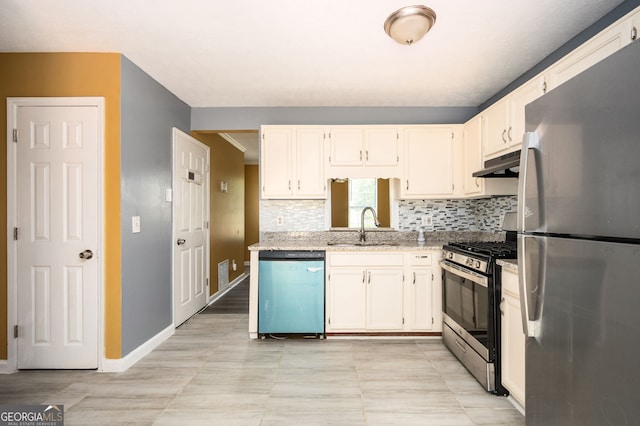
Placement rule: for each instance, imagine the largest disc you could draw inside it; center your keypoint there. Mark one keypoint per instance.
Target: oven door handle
(458, 270)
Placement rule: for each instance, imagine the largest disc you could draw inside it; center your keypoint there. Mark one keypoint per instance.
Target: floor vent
(223, 274)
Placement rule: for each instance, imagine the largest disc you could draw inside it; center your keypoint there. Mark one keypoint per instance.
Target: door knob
(181, 241)
(87, 254)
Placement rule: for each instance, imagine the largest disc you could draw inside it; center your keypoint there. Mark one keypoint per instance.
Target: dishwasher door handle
(314, 269)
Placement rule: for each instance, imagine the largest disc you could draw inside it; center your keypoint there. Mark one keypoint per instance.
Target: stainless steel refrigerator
(579, 247)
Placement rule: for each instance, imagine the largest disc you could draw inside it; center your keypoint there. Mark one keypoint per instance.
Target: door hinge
(403, 320)
(16, 234)
(432, 278)
(452, 135)
(206, 281)
(206, 224)
(15, 331)
(432, 320)
(15, 135)
(329, 321)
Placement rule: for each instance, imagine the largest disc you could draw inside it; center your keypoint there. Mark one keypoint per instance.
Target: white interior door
(57, 216)
(190, 226)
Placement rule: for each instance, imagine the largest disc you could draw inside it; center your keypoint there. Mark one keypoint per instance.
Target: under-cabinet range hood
(505, 166)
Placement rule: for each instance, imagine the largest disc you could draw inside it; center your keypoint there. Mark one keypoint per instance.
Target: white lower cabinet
(383, 292)
(513, 338)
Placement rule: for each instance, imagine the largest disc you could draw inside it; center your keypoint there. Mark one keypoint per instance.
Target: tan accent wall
(65, 75)
(227, 208)
(384, 203)
(251, 207)
(339, 204)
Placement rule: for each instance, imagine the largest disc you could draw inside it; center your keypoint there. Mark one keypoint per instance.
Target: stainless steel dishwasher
(291, 292)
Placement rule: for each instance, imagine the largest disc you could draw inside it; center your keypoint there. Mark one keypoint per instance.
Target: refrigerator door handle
(531, 267)
(529, 205)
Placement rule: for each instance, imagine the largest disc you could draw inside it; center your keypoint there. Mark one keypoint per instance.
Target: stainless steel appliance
(291, 292)
(471, 298)
(579, 247)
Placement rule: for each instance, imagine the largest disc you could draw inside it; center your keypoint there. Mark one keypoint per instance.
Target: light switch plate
(135, 224)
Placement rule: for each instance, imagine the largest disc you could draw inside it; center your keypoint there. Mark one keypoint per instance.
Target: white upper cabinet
(503, 122)
(472, 156)
(518, 99)
(429, 161)
(608, 41)
(363, 151)
(473, 161)
(292, 162)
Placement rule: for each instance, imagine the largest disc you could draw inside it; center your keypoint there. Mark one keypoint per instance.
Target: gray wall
(250, 118)
(148, 113)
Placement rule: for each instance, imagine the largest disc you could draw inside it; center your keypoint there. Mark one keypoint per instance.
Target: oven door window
(466, 302)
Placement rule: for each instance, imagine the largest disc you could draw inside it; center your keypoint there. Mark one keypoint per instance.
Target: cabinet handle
(289, 185)
(634, 33)
(477, 182)
(414, 278)
(367, 155)
(364, 274)
(544, 86)
(504, 134)
(298, 184)
(407, 184)
(369, 278)
(509, 134)
(501, 305)
(360, 155)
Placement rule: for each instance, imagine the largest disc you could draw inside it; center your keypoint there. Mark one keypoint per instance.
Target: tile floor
(210, 373)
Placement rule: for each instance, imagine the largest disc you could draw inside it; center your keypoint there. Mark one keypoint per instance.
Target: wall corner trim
(123, 364)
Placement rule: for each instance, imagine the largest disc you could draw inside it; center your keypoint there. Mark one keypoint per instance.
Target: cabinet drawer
(420, 259)
(510, 283)
(366, 259)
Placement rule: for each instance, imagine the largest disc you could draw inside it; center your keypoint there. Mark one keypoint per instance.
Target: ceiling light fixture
(409, 24)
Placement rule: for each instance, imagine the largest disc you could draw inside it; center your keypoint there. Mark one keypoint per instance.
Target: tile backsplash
(446, 215)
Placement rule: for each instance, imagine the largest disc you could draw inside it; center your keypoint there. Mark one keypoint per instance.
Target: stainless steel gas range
(471, 302)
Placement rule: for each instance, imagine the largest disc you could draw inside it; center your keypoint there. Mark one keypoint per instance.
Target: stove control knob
(477, 264)
(469, 262)
(450, 255)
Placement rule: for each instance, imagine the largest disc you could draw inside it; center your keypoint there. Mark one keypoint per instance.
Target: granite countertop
(347, 240)
(338, 246)
(509, 264)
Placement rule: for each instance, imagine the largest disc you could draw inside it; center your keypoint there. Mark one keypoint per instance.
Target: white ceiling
(228, 53)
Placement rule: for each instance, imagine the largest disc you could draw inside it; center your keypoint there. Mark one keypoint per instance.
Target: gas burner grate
(492, 248)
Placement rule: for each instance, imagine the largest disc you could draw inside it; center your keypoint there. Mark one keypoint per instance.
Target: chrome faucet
(375, 218)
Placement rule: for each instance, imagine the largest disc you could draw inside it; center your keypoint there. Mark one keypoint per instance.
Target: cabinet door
(422, 299)
(518, 99)
(275, 162)
(346, 299)
(472, 134)
(381, 146)
(310, 180)
(591, 52)
(428, 162)
(495, 126)
(346, 146)
(384, 306)
(513, 339)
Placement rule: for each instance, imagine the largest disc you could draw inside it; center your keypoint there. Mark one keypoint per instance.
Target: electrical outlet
(426, 220)
(279, 221)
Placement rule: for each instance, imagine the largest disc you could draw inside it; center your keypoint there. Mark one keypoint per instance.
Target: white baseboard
(123, 364)
(4, 367)
(231, 285)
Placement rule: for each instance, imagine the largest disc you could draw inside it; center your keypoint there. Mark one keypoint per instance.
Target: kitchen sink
(362, 244)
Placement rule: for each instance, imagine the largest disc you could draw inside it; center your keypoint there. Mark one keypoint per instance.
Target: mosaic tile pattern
(446, 215)
(456, 215)
(297, 215)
